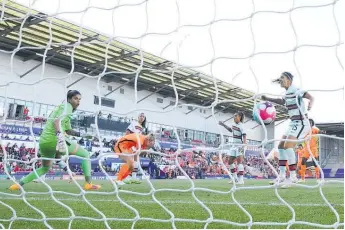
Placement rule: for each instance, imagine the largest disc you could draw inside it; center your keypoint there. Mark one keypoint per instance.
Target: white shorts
(236, 151)
(297, 129)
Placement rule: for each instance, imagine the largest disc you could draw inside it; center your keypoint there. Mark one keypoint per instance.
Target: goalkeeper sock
(303, 169)
(85, 164)
(40, 171)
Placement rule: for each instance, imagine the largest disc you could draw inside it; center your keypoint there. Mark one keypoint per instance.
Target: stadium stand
(197, 164)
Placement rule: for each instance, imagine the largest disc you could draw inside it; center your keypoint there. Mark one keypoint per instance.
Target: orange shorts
(120, 150)
(127, 159)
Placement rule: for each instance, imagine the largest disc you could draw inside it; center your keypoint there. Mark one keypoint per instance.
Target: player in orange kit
(314, 147)
(125, 145)
(299, 152)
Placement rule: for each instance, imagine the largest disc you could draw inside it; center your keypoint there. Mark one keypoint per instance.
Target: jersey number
(294, 128)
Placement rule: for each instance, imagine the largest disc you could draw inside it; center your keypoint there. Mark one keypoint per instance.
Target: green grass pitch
(263, 205)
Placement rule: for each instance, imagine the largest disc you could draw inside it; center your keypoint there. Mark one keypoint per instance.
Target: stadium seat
(339, 173)
(326, 172)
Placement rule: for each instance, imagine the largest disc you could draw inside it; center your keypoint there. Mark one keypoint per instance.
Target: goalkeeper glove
(60, 146)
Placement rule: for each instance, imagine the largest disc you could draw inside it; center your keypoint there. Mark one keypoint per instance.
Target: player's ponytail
(241, 114)
(72, 93)
(144, 124)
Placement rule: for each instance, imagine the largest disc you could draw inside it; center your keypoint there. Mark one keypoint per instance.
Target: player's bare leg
(299, 169)
(303, 169)
(317, 169)
(134, 173)
(233, 169)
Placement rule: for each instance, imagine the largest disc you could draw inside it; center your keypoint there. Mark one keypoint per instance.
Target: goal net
(157, 46)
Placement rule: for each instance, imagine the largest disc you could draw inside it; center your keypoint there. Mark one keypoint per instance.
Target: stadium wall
(280, 130)
(52, 92)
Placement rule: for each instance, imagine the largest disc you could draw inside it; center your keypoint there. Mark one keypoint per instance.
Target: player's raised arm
(279, 101)
(225, 126)
(310, 98)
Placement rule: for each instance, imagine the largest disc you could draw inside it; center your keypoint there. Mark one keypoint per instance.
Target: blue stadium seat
(339, 173)
(326, 172)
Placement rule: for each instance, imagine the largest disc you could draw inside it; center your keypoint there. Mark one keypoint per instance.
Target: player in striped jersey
(137, 126)
(299, 124)
(237, 151)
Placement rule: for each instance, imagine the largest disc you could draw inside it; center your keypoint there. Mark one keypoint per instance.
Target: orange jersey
(127, 142)
(313, 142)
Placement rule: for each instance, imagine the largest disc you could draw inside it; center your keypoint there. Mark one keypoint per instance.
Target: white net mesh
(180, 28)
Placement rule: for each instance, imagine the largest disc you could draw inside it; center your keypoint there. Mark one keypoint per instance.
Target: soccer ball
(266, 111)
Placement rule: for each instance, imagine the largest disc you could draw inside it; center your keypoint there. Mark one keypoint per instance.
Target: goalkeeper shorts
(48, 149)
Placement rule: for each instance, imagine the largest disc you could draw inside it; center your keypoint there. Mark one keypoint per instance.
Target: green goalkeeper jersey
(49, 132)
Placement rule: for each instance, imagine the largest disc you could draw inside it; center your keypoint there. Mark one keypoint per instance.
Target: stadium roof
(89, 58)
(333, 128)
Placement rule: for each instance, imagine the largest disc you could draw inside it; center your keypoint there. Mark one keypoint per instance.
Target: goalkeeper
(54, 141)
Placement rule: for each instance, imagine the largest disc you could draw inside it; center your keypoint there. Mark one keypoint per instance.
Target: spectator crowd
(197, 164)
